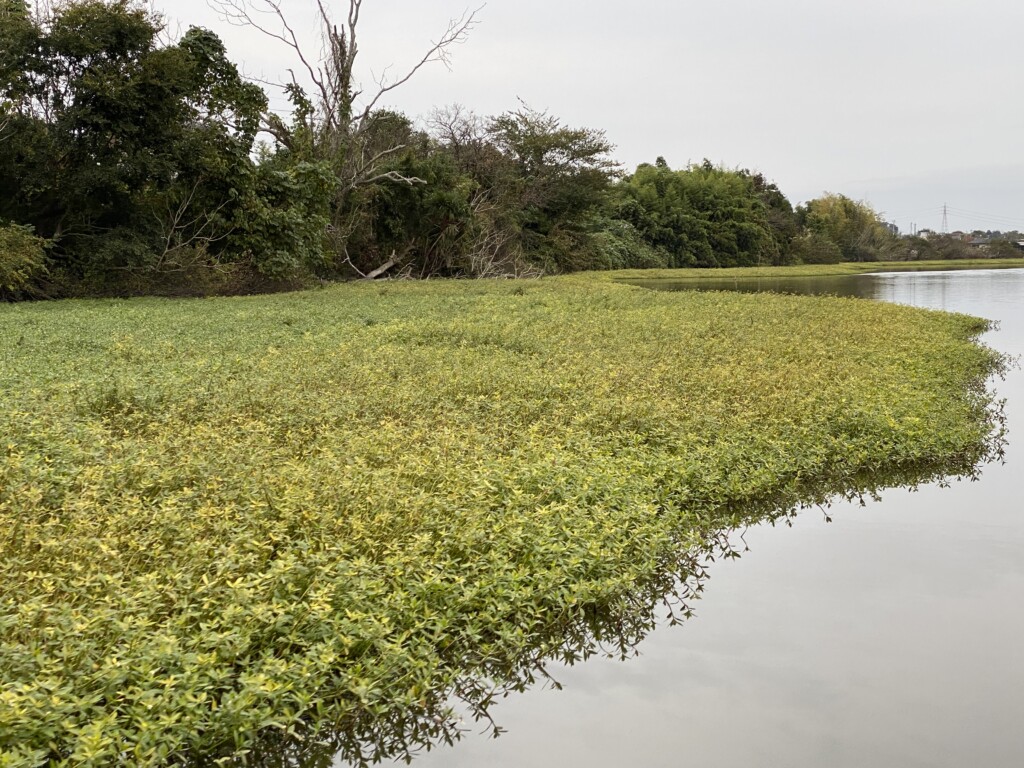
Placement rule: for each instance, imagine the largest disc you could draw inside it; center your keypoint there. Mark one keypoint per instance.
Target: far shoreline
(809, 270)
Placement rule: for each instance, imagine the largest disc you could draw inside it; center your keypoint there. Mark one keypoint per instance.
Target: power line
(964, 218)
(918, 212)
(992, 218)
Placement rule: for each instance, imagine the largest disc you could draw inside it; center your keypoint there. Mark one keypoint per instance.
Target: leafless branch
(333, 128)
(353, 267)
(365, 171)
(268, 18)
(392, 261)
(457, 32)
(454, 126)
(180, 233)
(333, 76)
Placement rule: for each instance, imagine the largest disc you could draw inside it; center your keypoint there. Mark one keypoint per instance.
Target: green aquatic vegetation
(812, 270)
(337, 511)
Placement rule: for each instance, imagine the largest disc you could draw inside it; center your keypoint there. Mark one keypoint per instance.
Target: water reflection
(934, 289)
(890, 636)
(613, 631)
(749, 675)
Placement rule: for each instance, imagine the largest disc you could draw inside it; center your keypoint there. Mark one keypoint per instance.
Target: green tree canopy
(704, 215)
(126, 152)
(556, 179)
(852, 226)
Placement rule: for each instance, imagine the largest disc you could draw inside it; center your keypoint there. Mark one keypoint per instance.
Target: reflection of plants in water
(258, 515)
(612, 629)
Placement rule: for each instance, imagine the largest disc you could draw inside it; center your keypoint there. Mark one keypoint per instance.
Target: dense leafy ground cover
(341, 508)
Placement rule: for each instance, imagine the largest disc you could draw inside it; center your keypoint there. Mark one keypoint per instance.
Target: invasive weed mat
(338, 509)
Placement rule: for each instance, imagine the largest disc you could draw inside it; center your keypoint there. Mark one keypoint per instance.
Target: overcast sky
(906, 104)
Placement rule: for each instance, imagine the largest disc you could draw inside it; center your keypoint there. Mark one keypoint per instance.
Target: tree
(22, 260)
(780, 214)
(134, 157)
(334, 119)
(426, 226)
(812, 247)
(852, 226)
(492, 244)
(554, 181)
(702, 216)
(100, 113)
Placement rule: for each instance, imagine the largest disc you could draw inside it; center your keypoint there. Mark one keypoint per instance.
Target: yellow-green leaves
(337, 509)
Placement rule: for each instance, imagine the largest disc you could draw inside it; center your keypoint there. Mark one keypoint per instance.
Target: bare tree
(333, 120)
(462, 131)
(493, 245)
(338, 111)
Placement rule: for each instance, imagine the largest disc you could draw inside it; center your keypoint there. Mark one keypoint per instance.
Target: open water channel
(891, 636)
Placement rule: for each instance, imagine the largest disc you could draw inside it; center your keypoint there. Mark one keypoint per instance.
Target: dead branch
(457, 32)
(382, 268)
(333, 75)
(180, 233)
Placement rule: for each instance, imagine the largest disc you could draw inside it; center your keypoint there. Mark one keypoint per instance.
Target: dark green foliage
(518, 193)
(943, 247)
(133, 156)
(618, 245)
(815, 248)
(416, 211)
(22, 260)
(430, 219)
(281, 218)
(1005, 248)
(780, 215)
(558, 179)
(702, 216)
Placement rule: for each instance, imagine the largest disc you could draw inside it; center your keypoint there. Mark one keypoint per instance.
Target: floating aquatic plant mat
(335, 511)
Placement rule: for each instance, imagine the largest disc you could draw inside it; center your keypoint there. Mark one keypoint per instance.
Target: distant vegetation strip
(337, 509)
(813, 270)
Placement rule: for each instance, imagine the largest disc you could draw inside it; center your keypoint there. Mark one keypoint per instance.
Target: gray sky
(907, 104)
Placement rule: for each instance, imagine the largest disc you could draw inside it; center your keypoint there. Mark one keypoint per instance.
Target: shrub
(22, 261)
(814, 248)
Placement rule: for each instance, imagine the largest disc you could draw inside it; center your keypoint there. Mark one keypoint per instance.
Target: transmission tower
(945, 219)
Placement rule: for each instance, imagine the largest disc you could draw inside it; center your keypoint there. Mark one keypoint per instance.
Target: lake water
(892, 636)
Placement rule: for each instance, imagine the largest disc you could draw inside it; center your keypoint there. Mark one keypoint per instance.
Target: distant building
(893, 229)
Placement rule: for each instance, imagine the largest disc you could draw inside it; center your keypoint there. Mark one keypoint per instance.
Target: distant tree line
(134, 164)
(963, 245)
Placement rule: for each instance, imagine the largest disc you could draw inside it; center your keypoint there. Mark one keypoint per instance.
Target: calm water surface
(892, 636)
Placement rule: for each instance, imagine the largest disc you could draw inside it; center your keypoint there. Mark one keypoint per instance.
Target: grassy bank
(811, 270)
(340, 507)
